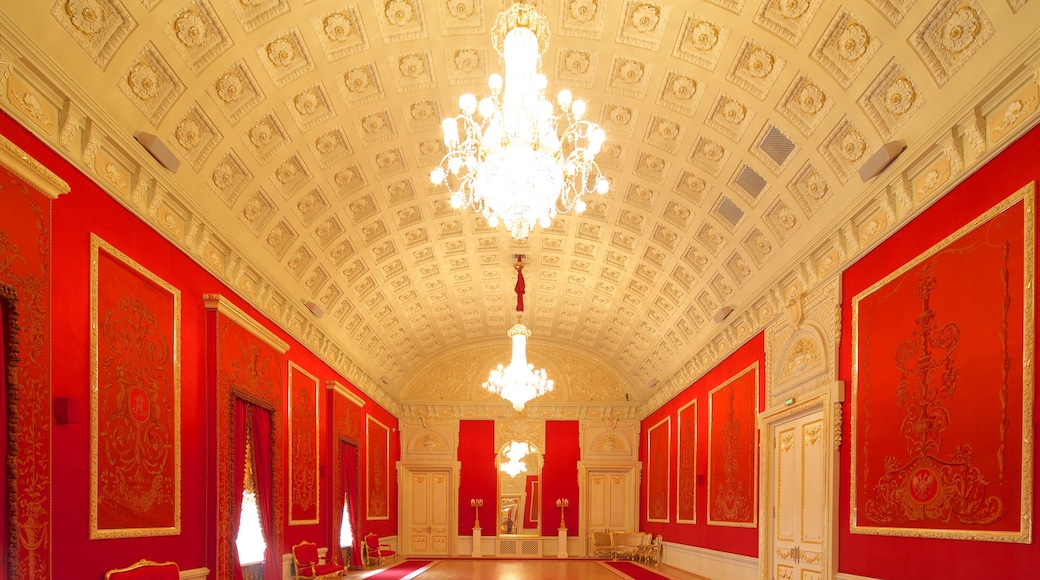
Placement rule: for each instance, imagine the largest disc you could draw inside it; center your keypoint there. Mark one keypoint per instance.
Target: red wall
(560, 475)
(873, 556)
(735, 540)
(478, 478)
(915, 557)
(75, 215)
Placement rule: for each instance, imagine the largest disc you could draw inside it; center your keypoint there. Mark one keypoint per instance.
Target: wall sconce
(476, 505)
(562, 503)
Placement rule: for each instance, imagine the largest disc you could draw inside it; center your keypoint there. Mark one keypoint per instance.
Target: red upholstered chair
(376, 552)
(306, 563)
(146, 570)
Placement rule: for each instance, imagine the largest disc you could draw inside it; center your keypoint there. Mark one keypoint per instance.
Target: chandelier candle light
(519, 382)
(562, 504)
(520, 160)
(477, 504)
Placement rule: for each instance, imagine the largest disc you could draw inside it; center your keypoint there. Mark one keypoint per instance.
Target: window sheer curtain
(349, 477)
(239, 438)
(252, 423)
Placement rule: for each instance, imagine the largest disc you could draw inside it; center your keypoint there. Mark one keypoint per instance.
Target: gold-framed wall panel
(751, 368)
(295, 369)
(385, 452)
(665, 424)
(1027, 195)
(682, 438)
(98, 245)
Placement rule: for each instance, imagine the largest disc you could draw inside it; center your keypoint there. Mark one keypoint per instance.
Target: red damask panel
(25, 263)
(303, 447)
(686, 478)
(658, 475)
(135, 398)
(732, 445)
(942, 415)
(378, 471)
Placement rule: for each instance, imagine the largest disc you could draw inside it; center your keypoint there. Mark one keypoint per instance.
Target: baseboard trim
(710, 563)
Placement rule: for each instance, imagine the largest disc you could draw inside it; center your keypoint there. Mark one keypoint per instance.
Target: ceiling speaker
(723, 313)
(880, 160)
(314, 308)
(159, 150)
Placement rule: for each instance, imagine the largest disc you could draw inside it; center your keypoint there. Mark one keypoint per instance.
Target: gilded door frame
(404, 471)
(827, 400)
(632, 469)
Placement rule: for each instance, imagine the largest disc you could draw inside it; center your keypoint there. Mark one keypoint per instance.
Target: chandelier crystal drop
(514, 157)
(518, 382)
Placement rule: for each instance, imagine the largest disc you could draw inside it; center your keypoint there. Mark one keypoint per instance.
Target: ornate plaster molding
(32, 171)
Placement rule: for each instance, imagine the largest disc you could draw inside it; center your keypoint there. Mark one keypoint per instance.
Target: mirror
(519, 496)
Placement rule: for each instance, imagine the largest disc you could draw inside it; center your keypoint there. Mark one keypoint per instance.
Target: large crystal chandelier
(519, 382)
(520, 160)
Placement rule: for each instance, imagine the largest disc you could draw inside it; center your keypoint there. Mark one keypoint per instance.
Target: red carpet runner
(399, 571)
(635, 571)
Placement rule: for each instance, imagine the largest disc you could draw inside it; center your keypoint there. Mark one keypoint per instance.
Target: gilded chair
(653, 551)
(628, 544)
(376, 552)
(307, 564)
(601, 544)
(146, 570)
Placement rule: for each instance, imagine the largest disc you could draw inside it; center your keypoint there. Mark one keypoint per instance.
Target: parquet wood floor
(535, 569)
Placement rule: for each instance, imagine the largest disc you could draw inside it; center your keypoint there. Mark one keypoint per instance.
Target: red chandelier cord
(519, 285)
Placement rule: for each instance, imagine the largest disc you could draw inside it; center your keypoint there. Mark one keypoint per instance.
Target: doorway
(799, 487)
(428, 517)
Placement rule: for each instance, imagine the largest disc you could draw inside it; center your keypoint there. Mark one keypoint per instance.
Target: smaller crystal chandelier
(519, 382)
(519, 161)
(515, 452)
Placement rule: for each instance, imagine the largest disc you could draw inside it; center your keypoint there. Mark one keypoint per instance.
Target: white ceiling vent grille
(776, 146)
(730, 211)
(750, 181)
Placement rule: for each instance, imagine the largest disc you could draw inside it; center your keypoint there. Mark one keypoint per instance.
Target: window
(346, 534)
(250, 540)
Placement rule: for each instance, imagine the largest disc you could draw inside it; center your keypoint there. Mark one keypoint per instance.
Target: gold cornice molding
(32, 171)
(224, 306)
(342, 390)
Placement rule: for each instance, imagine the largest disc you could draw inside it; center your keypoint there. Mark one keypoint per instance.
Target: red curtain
(240, 433)
(263, 458)
(349, 463)
(252, 423)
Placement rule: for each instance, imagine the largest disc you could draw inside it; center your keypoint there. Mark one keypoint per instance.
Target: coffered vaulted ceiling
(736, 128)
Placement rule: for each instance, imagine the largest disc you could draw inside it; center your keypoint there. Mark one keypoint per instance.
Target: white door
(799, 495)
(428, 514)
(610, 499)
